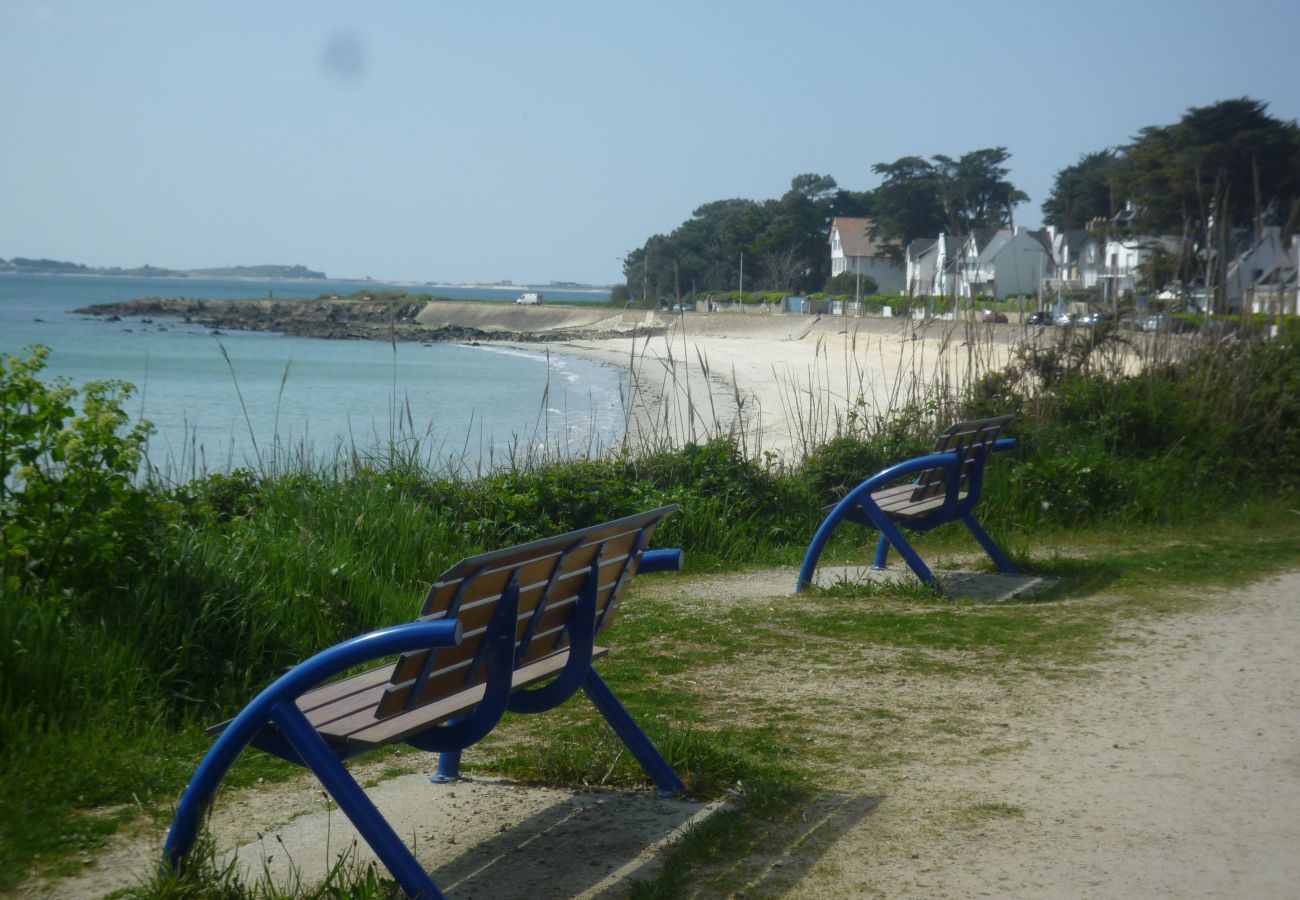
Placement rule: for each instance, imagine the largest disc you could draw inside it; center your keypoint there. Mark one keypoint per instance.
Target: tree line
(1221, 167)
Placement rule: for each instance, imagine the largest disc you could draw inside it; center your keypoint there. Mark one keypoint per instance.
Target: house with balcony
(1124, 260)
(855, 251)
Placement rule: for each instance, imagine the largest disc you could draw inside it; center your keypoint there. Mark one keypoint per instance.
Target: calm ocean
(470, 403)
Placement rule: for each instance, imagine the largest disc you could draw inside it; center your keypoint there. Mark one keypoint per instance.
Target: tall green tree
(784, 243)
(1222, 166)
(921, 198)
(1082, 192)
(908, 203)
(975, 190)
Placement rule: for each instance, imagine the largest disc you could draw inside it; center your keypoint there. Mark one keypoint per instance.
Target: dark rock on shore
(382, 320)
(329, 319)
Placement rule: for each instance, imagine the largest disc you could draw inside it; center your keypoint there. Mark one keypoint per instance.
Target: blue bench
(945, 486)
(492, 627)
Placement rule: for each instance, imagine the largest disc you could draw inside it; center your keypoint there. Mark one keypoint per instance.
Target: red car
(991, 316)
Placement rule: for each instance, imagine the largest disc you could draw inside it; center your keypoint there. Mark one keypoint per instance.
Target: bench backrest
(549, 575)
(965, 438)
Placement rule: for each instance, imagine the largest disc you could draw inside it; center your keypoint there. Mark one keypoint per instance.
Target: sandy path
(1175, 773)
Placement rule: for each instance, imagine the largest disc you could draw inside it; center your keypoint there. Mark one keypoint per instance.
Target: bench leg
(992, 549)
(889, 534)
(882, 555)
(448, 767)
(861, 509)
(632, 736)
(354, 803)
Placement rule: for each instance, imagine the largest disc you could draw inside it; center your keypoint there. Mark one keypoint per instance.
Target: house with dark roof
(1262, 277)
(855, 251)
(1000, 262)
(997, 262)
(1076, 259)
(933, 266)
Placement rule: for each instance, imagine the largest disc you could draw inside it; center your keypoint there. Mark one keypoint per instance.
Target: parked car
(1095, 320)
(1067, 319)
(1166, 324)
(1040, 317)
(994, 316)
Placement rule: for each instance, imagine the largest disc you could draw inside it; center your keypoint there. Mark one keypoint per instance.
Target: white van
(529, 299)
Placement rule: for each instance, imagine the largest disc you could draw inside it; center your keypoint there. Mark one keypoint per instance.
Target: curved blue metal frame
(667, 560)
(857, 506)
(276, 704)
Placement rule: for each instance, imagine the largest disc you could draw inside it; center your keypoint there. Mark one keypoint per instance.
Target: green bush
(843, 462)
(70, 513)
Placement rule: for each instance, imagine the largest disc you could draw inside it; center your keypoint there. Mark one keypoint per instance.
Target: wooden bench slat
(477, 613)
(323, 715)
(964, 436)
(336, 690)
(402, 726)
(475, 621)
(618, 535)
(488, 586)
(911, 510)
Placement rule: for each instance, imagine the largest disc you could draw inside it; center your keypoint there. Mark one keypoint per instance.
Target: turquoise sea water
(309, 396)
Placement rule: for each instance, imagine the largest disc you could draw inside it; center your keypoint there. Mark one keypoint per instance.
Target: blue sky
(543, 141)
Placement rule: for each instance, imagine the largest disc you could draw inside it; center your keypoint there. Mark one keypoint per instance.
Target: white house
(1123, 259)
(1001, 263)
(1263, 276)
(922, 263)
(933, 266)
(1076, 259)
(854, 250)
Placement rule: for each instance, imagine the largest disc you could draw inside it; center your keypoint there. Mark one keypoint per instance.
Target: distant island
(25, 266)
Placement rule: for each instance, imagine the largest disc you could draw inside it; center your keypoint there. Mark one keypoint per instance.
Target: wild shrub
(77, 534)
(71, 515)
(843, 462)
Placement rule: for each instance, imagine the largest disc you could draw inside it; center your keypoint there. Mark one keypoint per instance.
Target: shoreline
(780, 385)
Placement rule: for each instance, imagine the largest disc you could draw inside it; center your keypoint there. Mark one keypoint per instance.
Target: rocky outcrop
(331, 319)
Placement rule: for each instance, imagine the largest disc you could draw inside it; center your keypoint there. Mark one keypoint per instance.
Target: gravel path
(1176, 773)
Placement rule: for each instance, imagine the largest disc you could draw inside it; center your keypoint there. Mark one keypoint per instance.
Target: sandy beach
(783, 384)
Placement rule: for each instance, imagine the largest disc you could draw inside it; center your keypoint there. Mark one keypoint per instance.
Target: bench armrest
(661, 561)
